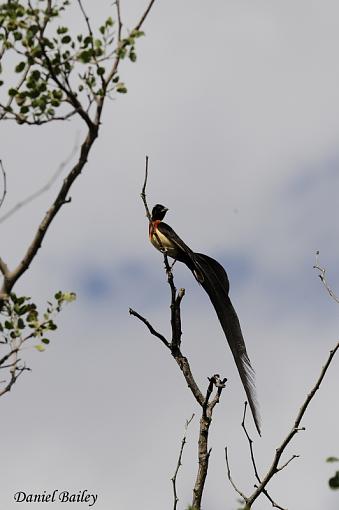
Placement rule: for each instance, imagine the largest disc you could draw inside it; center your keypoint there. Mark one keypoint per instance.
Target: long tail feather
(213, 278)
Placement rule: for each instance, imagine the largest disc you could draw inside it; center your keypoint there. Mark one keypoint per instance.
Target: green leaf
(24, 109)
(137, 33)
(85, 56)
(334, 481)
(52, 326)
(69, 296)
(121, 88)
(40, 348)
(35, 75)
(66, 39)
(132, 56)
(45, 341)
(9, 325)
(88, 40)
(121, 52)
(20, 67)
(12, 92)
(62, 30)
(332, 459)
(21, 323)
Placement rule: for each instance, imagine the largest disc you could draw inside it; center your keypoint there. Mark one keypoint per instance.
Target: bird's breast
(160, 241)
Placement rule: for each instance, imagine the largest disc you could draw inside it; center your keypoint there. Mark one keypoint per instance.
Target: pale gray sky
(237, 105)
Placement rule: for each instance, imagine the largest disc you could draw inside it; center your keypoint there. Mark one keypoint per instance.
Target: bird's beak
(164, 209)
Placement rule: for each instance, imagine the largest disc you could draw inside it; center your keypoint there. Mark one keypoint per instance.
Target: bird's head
(158, 212)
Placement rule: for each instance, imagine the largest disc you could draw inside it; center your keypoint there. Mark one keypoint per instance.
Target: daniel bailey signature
(57, 495)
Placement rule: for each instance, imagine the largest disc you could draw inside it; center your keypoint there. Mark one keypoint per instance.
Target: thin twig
(322, 277)
(181, 360)
(44, 188)
(143, 191)
(179, 464)
(90, 33)
(229, 476)
(250, 442)
(4, 179)
(117, 4)
(15, 373)
(144, 16)
(150, 328)
(20, 119)
(287, 462)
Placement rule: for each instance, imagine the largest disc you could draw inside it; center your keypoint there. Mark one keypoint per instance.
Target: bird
(213, 278)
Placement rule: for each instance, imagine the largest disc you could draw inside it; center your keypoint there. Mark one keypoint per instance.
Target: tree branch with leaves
(60, 75)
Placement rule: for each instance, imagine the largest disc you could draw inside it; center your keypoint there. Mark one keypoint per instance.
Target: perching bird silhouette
(213, 278)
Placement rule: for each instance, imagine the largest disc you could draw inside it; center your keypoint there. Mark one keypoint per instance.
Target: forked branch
(275, 467)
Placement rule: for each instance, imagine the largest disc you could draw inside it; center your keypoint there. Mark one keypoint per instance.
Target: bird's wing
(175, 245)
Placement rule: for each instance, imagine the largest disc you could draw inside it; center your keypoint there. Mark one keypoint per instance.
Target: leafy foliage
(58, 72)
(22, 322)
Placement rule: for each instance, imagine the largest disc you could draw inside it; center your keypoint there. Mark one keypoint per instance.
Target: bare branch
(4, 183)
(143, 191)
(3, 268)
(90, 32)
(314, 389)
(241, 494)
(150, 327)
(322, 273)
(15, 369)
(250, 441)
(181, 360)
(295, 429)
(144, 16)
(20, 119)
(203, 450)
(117, 4)
(287, 463)
(15, 373)
(7, 356)
(174, 478)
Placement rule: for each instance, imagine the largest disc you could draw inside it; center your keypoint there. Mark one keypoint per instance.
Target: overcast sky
(237, 105)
